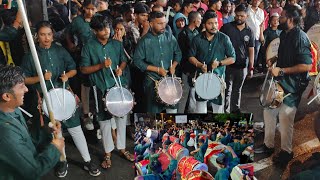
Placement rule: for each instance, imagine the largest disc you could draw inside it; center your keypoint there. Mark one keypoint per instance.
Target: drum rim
(162, 80)
(201, 172)
(106, 95)
(45, 109)
(217, 76)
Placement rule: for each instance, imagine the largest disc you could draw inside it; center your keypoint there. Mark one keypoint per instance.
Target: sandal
(106, 163)
(128, 156)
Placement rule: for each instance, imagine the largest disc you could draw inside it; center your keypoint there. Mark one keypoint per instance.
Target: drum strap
(39, 109)
(155, 81)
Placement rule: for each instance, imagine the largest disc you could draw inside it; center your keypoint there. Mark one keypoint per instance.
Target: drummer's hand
(107, 62)
(64, 78)
(271, 61)
(250, 73)
(56, 129)
(275, 71)
(118, 72)
(47, 75)
(172, 70)
(214, 64)
(162, 72)
(204, 68)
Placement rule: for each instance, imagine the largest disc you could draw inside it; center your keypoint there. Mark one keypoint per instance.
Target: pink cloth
(202, 5)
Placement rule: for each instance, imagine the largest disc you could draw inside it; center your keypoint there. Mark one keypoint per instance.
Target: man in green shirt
(153, 55)
(211, 51)
(294, 62)
(97, 56)
(19, 158)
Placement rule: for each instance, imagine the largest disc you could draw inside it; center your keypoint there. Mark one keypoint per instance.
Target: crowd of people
(237, 141)
(87, 44)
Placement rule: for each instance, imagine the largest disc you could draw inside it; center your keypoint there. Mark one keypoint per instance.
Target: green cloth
(19, 158)
(294, 48)
(220, 48)
(81, 29)
(95, 53)
(238, 147)
(167, 174)
(222, 174)
(56, 60)
(152, 50)
(8, 33)
(140, 149)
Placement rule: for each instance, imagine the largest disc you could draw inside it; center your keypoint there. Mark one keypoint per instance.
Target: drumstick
(63, 95)
(121, 86)
(55, 92)
(166, 79)
(114, 77)
(174, 85)
(313, 99)
(26, 112)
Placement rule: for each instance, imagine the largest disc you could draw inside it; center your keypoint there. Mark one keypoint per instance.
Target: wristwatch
(281, 72)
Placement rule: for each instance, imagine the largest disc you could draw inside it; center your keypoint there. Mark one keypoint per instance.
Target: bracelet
(158, 70)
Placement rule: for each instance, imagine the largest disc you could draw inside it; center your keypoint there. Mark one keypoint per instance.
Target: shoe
(264, 149)
(61, 169)
(99, 134)
(88, 123)
(282, 158)
(92, 168)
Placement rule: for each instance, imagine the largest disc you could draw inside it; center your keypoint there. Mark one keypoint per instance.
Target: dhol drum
(190, 143)
(142, 167)
(63, 108)
(173, 139)
(119, 101)
(169, 90)
(272, 49)
(164, 159)
(177, 151)
(199, 175)
(272, 95)
(152, 134)
(188, 164)
(208, 86)
(240, 170)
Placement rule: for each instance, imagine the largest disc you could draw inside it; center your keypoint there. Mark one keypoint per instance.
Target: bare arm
(299, 68)
(251, 57)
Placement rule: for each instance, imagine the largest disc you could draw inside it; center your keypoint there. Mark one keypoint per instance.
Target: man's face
(142, 17)
(240, 17)
(274, 21)
(102, 5)
(188, 8)
(158, 25)
(212, 26)
(283, 21)
(103, 34)
(177, 7)
(129, 16)
(227, 8)
(256, 3)
(17, 97)
(45, 37)
(198, 21)
(218, 5)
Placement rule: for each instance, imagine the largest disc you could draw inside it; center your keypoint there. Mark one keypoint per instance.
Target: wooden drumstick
(314, 98)
(174, 85)
(114, 77)
(55, 92)
(121, 86)
(63, 95)
(166, 79)
(26, 112)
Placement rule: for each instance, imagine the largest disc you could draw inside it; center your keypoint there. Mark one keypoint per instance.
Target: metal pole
(37, 64)
(45, 10)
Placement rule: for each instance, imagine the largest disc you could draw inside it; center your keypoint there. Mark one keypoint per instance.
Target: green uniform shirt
(95, 53)
(200, 154)
(294, 48)
(81, 29)
(220, 48)
(19, 158)
(154, 49)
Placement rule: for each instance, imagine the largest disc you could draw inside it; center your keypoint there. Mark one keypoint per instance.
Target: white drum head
(208, 86)
(119, 104)
(190, 143)
(314, 34)
(60, 112)
(149, 133)
(170, 90)
(272, 49)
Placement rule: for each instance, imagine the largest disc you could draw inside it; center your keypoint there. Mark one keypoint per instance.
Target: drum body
(272, 95)
(177, 151)
(173, 139)
(152, 134)
(119, 104)
(169, 90)
(164, 159)
(61, 112)
(188, 164)
(142, 167)
(208, 86)
(199, 175)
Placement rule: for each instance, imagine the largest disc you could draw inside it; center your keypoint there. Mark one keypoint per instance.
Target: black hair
(118, 21)
(8, 16)
(193, 15)
(9, 77)
(208, 15)
(42, 24)
(241, 8)
(154, 15)
(99, 22)
(294, 13)
(88, 2)
(225, 2)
